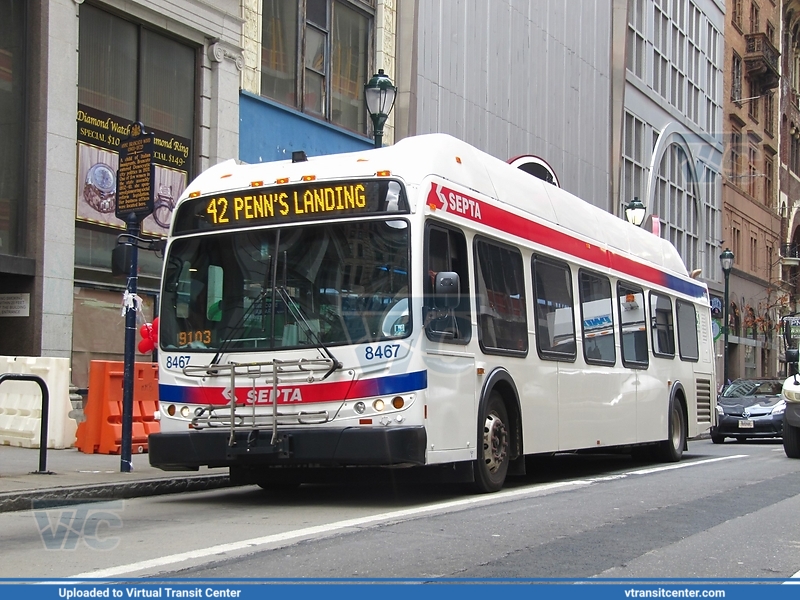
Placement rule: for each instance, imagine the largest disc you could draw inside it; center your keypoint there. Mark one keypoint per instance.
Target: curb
(61, 496)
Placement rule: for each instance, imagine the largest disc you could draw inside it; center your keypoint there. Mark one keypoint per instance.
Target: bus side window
(663, 330)
(554, 310)
(632, 325)
(446, 251)
(687, 331)
(597, 319)
(500, 295)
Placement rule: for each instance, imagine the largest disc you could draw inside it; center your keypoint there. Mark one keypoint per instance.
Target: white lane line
(328, 528)
(684, 465)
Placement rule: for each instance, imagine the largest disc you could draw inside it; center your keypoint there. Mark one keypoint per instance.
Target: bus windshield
(348, 283)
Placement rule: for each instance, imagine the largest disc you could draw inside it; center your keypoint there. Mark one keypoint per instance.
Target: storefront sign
(100, 138)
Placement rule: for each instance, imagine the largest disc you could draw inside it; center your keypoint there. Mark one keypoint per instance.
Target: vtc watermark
(64, 526)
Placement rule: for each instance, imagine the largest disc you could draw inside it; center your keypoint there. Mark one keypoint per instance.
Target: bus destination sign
(266, 206)
(135, 177)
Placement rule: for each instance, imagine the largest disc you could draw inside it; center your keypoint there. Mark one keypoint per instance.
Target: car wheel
(493, 446)
(671, 449)
(791, 440)
(718, 439)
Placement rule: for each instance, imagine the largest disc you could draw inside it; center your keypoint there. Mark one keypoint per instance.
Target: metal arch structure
(538, 167)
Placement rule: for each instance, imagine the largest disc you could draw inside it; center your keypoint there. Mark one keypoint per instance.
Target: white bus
(423, 304)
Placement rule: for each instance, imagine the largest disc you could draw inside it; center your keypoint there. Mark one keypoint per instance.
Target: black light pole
(634, 212)
(726, 260)
(379, 95)
(125, 465)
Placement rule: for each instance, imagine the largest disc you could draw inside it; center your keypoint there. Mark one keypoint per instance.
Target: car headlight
(720, 411)
(779, 408)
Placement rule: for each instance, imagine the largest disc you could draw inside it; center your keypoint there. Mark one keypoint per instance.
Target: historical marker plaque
(136, 174)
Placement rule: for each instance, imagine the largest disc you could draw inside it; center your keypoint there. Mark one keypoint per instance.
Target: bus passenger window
(597, 319)
(555, 324)
(663, 332)
(687, 331)
(446, 251)
(632, 325)
(500, 295)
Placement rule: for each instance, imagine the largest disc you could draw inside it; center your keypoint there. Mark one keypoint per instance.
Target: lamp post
(634, 212)
(726, 260)
(379, 95)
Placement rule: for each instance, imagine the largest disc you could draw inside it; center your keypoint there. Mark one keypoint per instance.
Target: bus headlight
(378, 405)
(185, 412)
(360, 407)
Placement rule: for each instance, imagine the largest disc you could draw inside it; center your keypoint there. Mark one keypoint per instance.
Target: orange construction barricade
(101, 432)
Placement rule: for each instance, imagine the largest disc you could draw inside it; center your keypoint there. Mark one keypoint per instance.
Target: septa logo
(436, 198)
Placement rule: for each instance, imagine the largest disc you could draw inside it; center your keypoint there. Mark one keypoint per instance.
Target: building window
(752, 172)
(128, 73)
(676, 204)
(755, 18)
(736, 157)
(736, 13)
(324, 71)
(736, 243)
(736, 77)
(753, 254)
(634, 160)
(771, 33)
(753, 91)
(636, 38)
(769, 185)
(769, 113)
(12, 122)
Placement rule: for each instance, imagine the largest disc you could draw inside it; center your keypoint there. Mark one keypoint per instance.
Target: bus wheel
(791, 440)
(671, 449)
(492, 464)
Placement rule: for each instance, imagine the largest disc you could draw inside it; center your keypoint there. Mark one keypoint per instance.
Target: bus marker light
(365, 421)
(480, 370)
(398, 402)
(383, 173)
(458, 159)
(171, 410)
(309, 177)
(194, 194)
(256, 184)
(282, 180)
(359, 407)
(226, 175)
(378, 405)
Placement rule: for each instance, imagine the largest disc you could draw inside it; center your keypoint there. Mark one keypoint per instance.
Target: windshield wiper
(297, 313)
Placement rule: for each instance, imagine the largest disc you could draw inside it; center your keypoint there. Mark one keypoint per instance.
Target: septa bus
(419, 305)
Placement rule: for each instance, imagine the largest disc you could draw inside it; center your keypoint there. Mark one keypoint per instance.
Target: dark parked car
(750, 408)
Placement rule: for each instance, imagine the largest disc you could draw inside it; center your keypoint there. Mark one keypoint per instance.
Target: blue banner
(423, 589)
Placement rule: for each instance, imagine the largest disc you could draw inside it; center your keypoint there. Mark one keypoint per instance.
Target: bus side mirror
(792, 357)
(447, 290)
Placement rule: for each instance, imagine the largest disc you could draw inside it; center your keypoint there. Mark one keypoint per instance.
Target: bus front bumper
(324, 447)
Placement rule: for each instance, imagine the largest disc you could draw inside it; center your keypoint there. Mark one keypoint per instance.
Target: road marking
(684, 465)
(253, 543)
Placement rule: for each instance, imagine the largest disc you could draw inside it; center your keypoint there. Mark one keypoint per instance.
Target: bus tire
(671, 449)
(493, 446)
(791, 440)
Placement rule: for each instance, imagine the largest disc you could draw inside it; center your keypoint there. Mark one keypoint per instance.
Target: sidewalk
(74, 476)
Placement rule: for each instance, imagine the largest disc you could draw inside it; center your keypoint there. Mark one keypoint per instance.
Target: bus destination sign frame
(290, 204)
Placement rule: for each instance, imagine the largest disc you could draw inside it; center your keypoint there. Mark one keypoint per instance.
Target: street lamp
(634, 212)
(379, 95)
(726, 260)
